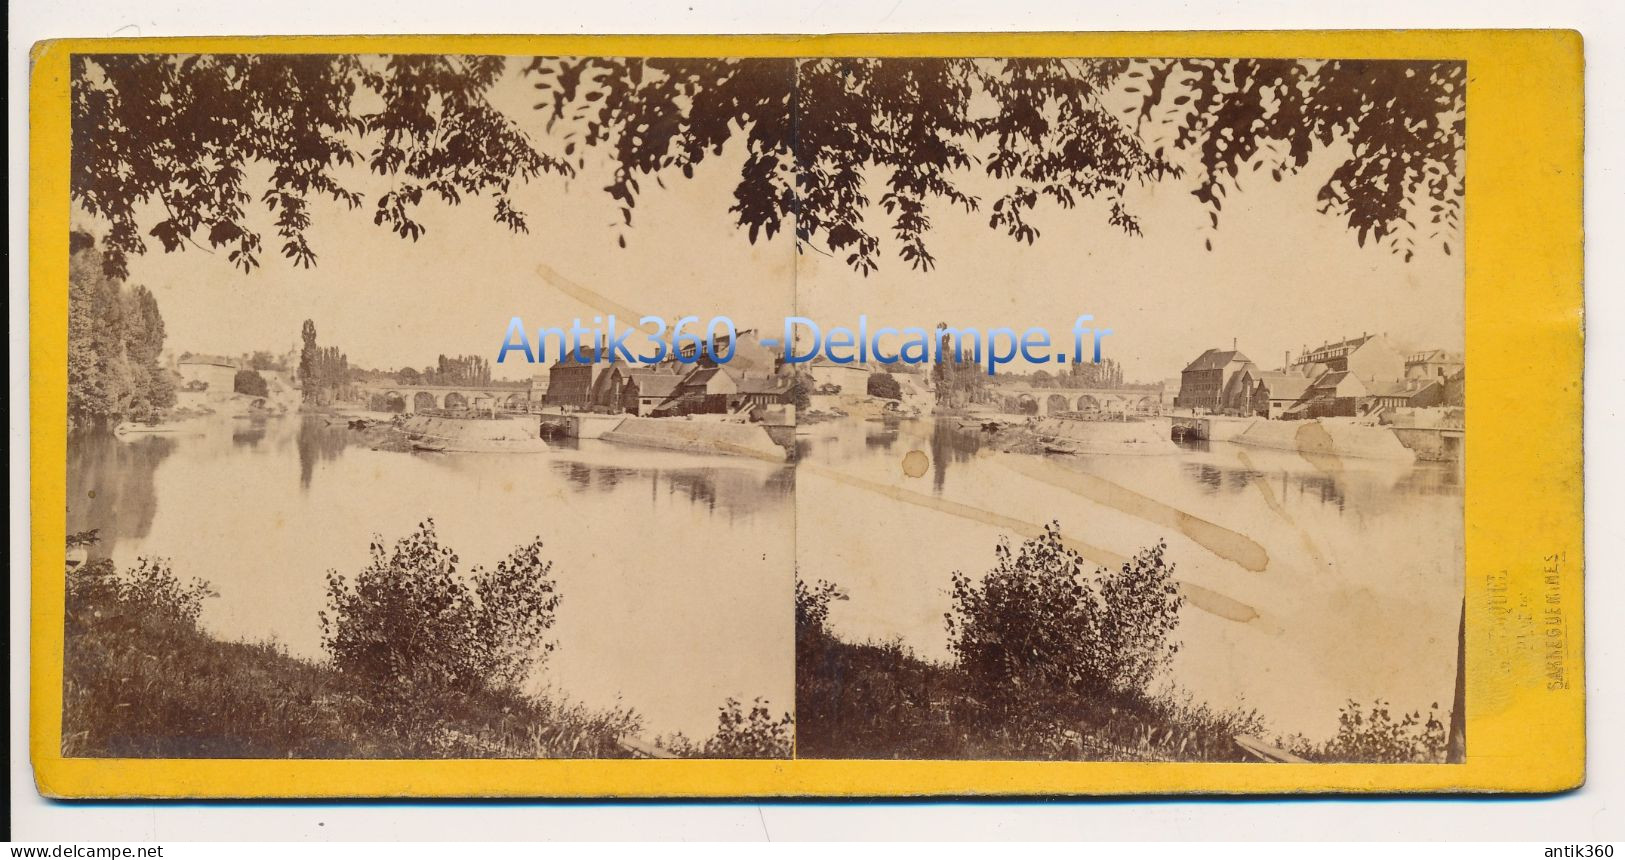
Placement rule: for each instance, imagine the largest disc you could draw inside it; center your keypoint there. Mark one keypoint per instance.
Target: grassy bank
(869, 701)
(1050, 661)
(139, 684)
(424, 663)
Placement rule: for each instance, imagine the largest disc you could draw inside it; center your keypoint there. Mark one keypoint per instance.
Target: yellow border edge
(1524, 500)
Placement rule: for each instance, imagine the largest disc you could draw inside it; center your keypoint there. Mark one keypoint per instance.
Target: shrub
(1375, 735)
(885, 385)
(97, 592)
(740, 734)
(1040, 620)
(410, 624)
(251, 383)
(812, 605)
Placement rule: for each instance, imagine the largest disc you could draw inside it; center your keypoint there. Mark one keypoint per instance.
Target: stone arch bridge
(421, 398)
(1032, 400)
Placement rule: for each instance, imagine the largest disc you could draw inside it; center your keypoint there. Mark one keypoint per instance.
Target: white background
(1589, 814)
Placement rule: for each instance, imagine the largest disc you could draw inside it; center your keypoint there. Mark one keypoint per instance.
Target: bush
(1040, 620)
(98, 593)
(251, 383)
(1374, 735)
(812, 605)
(410, 624)
(740, 734)
(885, 385)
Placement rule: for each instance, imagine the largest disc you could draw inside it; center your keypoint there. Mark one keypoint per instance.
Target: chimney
(1232, 344)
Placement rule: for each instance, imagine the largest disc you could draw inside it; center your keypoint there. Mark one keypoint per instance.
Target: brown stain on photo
(1225, 543)
(1315, 445)
(1202, 598)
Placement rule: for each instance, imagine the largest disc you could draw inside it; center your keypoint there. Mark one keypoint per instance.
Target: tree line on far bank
(115, 338)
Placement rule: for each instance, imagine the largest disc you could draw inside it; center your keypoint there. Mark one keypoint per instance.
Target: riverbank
(143, 680)
(882, 701)
(702, 435)
(1061, 435)
(478, 435)
(138, 685)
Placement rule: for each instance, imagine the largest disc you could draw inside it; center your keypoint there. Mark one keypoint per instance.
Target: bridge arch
(456, 400)
(1026, 404)
(1088, 404)
(394, 401)
(1056, 403)
(423, 401)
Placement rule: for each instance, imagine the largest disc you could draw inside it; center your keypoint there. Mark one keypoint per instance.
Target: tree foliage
(1041, 620)
(410, 623)
(183, 132)
(1404, 125)
(248, 381)
(458, 370)
(1377, 734)
(756, 733)
(97, 593)
(884, 385)
(324, 372)
(847, 150)
(115, 339)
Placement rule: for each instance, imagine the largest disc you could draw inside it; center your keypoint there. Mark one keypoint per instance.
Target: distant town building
(646, 388)
(578, 384)
(217, 372)
(1203, 382)
(1334, 394)
(1278, 391)
(849, 378)
(1435, 364)
(1241, 395)
(1413, 393)
(725, 389)
(1369, 357)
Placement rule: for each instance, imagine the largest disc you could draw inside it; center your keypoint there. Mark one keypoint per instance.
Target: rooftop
(1215, 359)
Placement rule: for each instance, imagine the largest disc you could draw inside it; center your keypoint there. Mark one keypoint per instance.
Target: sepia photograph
(433, 406)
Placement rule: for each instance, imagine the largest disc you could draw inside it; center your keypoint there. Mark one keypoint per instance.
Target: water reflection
(1358, 597)
(248, 435)
(950, 444)
(318, 442)
(676, 571)
(110, 487)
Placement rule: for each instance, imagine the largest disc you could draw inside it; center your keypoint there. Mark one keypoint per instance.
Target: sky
(1280, 276)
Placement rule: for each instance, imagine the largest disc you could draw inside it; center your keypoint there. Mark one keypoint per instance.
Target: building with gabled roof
(1433, 364)
(1203, 382)
(1369, 357)
(1278, 391)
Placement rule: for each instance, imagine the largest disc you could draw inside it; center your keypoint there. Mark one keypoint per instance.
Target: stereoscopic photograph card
(817, 416)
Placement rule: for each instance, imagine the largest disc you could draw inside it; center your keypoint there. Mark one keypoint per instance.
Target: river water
(676, 570)
(1308, 583)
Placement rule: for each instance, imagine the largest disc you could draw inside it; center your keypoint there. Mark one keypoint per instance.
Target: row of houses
(1362, 376)
(745, 383)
